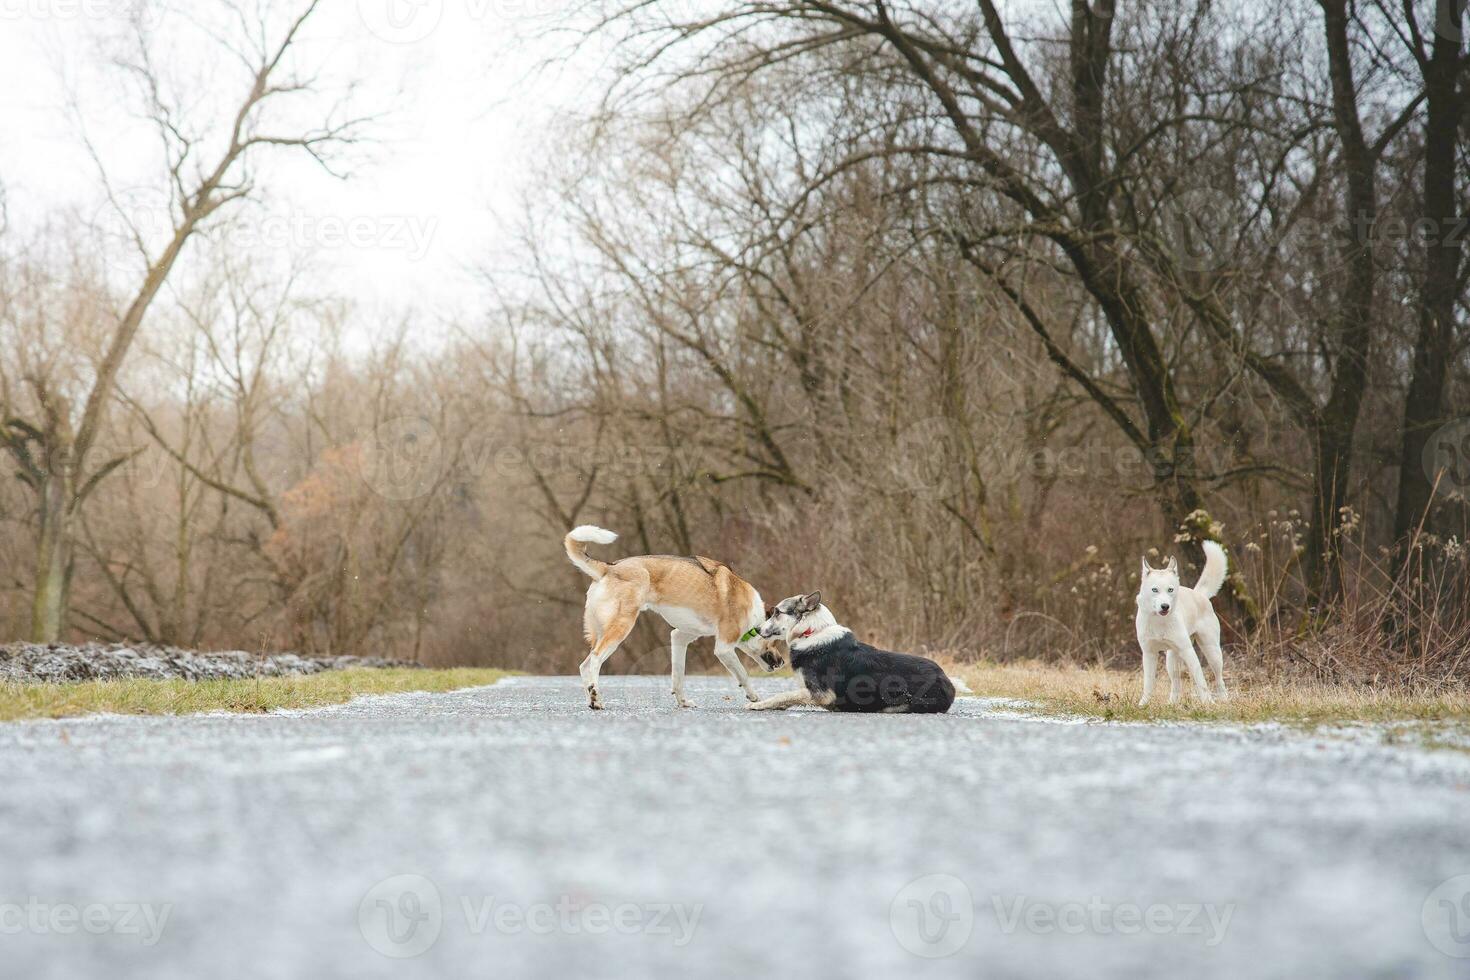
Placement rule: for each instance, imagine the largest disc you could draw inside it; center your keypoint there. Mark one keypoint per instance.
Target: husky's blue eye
(1171, 590)
(1156, 589)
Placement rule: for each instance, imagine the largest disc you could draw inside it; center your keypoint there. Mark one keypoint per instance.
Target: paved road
(509, 832)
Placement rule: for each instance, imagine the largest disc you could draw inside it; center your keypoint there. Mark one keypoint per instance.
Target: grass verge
(1113, 694)
(139, 696)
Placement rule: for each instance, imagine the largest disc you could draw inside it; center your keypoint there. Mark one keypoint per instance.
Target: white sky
(468, 120)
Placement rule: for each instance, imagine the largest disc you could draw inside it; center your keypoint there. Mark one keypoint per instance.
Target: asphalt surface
(510, 832)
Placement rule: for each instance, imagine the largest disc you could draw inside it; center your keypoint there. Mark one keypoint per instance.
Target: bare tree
(1443, 71)
(52, 450)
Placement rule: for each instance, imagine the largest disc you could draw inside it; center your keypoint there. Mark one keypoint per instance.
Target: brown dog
(696, 596)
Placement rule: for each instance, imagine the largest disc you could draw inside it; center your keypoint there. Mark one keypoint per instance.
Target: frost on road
(509, 831)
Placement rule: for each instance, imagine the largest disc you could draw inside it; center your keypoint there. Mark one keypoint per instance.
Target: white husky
(1169, 614)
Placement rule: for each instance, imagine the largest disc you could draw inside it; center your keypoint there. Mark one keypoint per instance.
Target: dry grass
(1113, 694)
(179, 697)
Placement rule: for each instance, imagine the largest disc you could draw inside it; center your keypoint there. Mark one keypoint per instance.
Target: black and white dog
(841, 674)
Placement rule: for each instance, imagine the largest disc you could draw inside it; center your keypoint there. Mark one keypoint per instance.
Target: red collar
(802, 636)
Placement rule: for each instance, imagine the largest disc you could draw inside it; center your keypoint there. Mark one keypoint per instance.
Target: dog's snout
(1164, 608)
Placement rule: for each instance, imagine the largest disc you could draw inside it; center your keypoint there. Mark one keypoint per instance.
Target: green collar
(749, 634)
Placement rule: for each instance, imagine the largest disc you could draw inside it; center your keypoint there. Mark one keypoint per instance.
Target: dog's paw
(1143, 703)
(752, 698)
(681, 702)
(753, 706)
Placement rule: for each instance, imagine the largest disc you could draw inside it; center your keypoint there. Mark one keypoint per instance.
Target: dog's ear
(1173, 565)
(1143, 572)
(770, 611)
(809, 603)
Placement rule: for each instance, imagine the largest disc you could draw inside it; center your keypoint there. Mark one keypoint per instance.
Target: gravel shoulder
(509, 831)
(56, 662)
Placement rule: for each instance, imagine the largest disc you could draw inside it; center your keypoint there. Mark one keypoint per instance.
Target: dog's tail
(576, 542)
(1213, 577)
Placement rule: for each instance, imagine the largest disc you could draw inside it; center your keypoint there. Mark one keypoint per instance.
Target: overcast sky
(463, 137)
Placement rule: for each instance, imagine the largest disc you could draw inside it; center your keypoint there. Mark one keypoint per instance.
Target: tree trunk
(1333, 435)
(53, 560)
(1170, 450)
(1424, 405)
